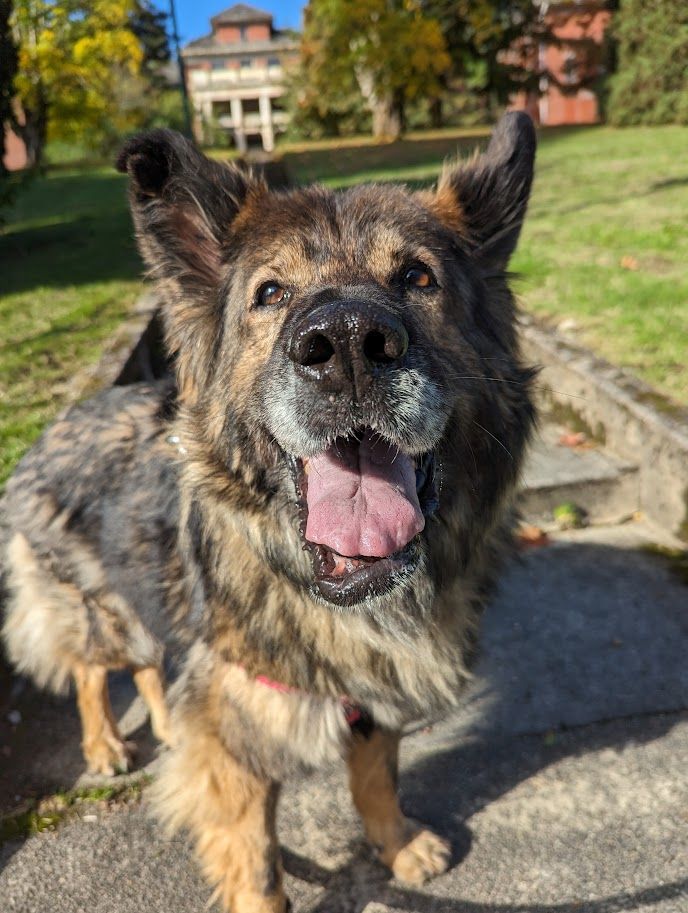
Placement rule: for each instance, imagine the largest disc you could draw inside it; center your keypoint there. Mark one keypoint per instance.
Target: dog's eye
(270, 294)
(418, 277)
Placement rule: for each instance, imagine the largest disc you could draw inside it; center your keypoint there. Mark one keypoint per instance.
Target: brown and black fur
(155, 519)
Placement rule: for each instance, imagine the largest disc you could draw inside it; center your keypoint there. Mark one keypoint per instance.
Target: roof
(209, 46)
(240, 14)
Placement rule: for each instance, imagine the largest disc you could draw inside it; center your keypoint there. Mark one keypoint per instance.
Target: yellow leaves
(76, 54)
(96, 53)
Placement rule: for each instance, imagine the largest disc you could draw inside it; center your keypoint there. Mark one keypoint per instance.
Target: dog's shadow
(336, 897)
(431, 792)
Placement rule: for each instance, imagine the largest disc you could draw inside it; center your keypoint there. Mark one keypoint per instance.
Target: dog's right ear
(183, 205)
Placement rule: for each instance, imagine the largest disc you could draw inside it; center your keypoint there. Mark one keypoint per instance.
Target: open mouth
(362, 505)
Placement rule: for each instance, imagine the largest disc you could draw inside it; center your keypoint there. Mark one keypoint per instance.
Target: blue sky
(193, 16)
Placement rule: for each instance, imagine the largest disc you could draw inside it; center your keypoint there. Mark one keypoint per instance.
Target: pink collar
(352, 712)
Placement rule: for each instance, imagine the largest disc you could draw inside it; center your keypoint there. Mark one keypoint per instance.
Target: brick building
(235, 76)
(569, 61)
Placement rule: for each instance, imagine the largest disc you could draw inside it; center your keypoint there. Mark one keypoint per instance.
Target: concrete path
(562, 782)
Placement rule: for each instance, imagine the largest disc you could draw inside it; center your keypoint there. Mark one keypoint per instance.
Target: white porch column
(206, 117)
(267, 132)
(238, 121)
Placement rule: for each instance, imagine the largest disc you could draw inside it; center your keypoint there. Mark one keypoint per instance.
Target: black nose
(347, 342)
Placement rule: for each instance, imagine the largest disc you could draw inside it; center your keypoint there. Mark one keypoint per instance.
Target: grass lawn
(68, 275)
(605, 247)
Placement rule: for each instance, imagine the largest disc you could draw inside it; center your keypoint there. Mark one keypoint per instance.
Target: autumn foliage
(389, 53)
(80, 72)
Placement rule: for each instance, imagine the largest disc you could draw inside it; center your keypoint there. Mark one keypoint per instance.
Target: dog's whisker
(494, 438)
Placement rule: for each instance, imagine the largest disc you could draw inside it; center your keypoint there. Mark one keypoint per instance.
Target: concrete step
(605, 487)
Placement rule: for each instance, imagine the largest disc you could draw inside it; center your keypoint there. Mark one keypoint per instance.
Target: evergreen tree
(149, 24)
(651, 82)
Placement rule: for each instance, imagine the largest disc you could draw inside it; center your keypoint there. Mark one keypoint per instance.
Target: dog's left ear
(485, 199)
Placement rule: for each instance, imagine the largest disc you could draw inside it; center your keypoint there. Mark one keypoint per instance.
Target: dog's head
(358, 336)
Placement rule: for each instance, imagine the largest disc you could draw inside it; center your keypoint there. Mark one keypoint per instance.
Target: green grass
(69, 272)
(605, 200)
(35, 816)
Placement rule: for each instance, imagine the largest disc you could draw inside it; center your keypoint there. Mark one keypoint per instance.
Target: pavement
(561, 782)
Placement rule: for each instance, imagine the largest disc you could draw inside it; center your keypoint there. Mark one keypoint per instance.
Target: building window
(273, 61)
(217, 64)
(242, 33)
(246, 63)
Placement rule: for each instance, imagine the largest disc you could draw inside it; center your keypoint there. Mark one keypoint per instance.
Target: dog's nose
(347, 342)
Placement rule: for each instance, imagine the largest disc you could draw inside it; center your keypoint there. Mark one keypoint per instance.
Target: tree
(149, 25)
(489, 42)
(79, 71)
(387, 51)
(651, 82)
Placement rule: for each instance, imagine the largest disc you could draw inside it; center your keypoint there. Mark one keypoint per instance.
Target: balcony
(252, 123)
(207, 80)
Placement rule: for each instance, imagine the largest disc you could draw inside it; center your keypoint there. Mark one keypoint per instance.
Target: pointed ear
(183, 204)
(485, 199)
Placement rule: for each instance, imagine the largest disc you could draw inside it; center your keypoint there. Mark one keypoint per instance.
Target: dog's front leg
(231, 814)
(412, 852)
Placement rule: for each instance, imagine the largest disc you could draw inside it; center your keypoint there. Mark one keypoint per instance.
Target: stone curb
(129, 355)
(581, 390)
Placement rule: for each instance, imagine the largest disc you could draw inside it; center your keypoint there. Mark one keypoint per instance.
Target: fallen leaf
(530, 536)
(573, 439)
(629, 262)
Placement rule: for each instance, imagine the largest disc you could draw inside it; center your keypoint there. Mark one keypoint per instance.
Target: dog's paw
(259, 903)
(109, 756)
(423, 857)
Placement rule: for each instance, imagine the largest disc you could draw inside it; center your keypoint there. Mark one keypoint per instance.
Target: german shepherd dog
(310, 516)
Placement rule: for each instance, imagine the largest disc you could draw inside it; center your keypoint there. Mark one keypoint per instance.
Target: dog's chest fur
(232, 590)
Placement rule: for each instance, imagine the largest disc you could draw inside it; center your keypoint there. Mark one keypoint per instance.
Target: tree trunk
(34, 130)
(387, 110)
(436, 113)
(387, 118)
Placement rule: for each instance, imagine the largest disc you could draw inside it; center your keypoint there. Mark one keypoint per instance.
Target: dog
(310, 515)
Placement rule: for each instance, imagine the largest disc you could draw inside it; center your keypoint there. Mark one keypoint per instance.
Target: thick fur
(156, 519)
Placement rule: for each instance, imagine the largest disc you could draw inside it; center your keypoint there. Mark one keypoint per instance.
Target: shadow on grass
(383, 159)
(347, 161)
(68, 230)
(81, 251)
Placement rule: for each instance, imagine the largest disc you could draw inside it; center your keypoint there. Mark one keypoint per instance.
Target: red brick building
(235, 75)
(569, 61)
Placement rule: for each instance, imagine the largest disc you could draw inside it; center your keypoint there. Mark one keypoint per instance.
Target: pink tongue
(362, 499)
